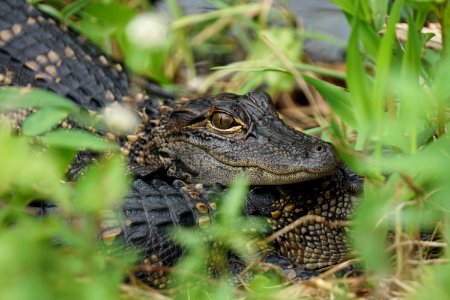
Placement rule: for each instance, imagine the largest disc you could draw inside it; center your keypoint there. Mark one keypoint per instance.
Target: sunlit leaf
(43, 120)
(76, 139)
(14, 97)
(339, 100)
(102, 186)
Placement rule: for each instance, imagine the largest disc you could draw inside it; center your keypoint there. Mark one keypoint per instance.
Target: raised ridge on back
(35, 51)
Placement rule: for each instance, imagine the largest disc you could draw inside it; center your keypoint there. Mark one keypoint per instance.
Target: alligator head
(212, 139)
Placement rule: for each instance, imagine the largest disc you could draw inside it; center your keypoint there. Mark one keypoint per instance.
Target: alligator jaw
(257, 176)
(186, 166)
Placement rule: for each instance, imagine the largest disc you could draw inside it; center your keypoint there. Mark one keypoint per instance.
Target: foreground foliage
(390, 124)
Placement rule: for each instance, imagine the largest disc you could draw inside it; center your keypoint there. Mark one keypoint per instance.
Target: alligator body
(314, 245)
(181, 150)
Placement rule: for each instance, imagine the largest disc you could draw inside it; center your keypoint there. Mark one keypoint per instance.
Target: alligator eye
(222, 120)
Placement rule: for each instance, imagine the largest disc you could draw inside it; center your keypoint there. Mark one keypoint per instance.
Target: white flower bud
(147, 31)
(119, 118)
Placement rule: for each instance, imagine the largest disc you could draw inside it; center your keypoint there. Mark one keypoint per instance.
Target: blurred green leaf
(12, 154)
(379, 12)
(14, 97)
(33, 267)
(43, 120)
(339, 100)
(384, 62)
(102, 186)
(434, 283)
(77, 139)
(370, 227)
(358, 82)
(232, 202)
(73, 8)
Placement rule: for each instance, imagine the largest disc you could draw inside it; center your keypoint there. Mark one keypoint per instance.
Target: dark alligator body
(183, 151)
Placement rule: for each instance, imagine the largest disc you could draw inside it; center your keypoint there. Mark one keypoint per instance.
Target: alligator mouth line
(322, 171)
(294, 173)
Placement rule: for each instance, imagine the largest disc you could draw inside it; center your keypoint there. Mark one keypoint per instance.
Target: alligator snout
(320, 150)
(323, 157)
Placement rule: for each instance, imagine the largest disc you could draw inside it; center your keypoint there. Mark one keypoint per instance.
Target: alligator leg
(150, 210)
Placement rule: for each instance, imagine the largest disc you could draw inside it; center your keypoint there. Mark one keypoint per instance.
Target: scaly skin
(34, 51)
(314, 244)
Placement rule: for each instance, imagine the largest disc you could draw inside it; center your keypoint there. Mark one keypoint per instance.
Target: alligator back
(34, 51)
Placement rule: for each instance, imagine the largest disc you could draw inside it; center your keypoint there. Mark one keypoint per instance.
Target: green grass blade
(384, 59)
(14, 97)
(43, 120)
(339, 100)
(77, 139)
(358, 81)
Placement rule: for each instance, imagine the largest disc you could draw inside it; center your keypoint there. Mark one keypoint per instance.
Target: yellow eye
(222, 120)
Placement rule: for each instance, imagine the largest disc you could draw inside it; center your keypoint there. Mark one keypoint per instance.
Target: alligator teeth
(118, 67)
(109, 95)
(42, 59)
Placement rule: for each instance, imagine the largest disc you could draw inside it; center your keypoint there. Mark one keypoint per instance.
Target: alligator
(183, 150)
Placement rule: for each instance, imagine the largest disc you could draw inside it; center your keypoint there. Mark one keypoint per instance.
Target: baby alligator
(202, 142)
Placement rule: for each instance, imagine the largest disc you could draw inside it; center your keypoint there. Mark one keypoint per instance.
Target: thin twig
(338, 267)
(418, 243)
(438, 261)
(412, 185)
(297, 76)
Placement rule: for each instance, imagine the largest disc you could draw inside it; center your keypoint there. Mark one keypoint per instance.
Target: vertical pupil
(222, 121)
